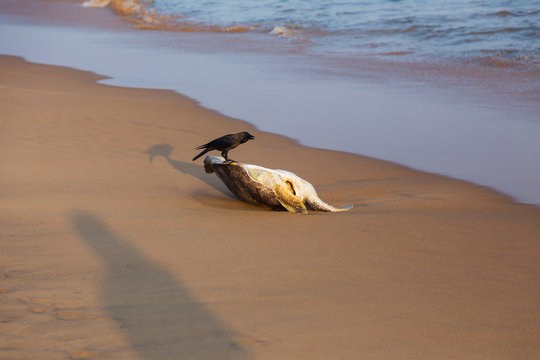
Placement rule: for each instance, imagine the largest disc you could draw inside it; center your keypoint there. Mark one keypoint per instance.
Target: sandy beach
(477, 122)
(115, 245)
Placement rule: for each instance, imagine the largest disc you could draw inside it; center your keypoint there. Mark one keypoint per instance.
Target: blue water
(493, 32)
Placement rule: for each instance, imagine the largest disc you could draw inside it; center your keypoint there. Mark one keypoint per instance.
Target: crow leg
(225, 154)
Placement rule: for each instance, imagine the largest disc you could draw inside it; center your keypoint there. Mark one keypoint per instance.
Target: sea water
(497, 32)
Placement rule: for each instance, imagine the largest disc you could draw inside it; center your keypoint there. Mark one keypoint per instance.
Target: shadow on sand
(188, 168)
(158, 315)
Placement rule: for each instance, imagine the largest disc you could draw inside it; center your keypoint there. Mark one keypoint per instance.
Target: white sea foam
(96, 3)
(281, 31)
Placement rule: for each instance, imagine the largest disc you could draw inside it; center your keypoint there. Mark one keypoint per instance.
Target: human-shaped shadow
(158, 315)
(188, 168)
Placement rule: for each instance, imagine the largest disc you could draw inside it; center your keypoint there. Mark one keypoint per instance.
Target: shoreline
(478, 131)
(117, 246)
(99, 81)
(468, 114)
(103, 80)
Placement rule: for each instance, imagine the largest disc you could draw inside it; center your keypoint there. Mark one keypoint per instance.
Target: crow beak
(251, 137)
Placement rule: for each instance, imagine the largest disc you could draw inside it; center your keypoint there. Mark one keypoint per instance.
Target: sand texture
(115, 245)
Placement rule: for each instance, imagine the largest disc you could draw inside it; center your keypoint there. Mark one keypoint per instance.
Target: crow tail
(201, 154)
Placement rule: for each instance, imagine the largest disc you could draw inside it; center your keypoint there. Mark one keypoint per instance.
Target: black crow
(225, 144)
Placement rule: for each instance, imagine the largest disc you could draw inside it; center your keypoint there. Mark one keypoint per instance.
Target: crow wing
(219, 143)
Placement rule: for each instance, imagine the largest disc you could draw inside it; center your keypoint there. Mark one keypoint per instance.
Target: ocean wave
(415, 30)
(497, 61)
(515, 13)
(144, 16)
(96, 3)
(503, 13)
(505, 30)
(281, 31)
(352, 28)
(397, 53)
(505, 58)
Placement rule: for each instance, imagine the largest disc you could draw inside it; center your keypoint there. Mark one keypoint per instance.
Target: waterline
(408, 123)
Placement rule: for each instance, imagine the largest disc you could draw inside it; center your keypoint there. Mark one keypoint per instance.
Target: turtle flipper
(345, 208)
(289, 201)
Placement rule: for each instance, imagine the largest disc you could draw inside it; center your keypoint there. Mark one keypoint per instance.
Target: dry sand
(114, 245)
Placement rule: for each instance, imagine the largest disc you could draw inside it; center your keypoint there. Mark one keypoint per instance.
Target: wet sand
(116, 246)
(477, 123)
